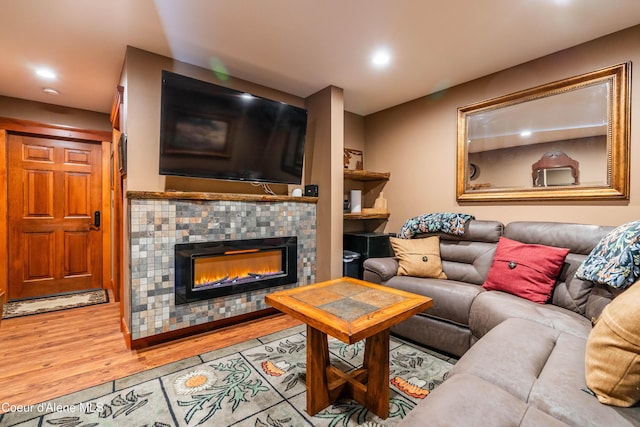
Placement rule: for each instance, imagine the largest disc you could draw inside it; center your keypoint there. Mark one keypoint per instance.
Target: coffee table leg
(376, 362)
(317, 363)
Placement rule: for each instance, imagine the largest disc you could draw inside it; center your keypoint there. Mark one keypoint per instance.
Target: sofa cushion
(613, 351)
(615, 261)
(468, 257)
(491, 308)
(542, 367)
(599, 298)
(521, 346)
(570, 292)
(526, 270)
(466, 261)
(451, 300)
(466, 400)
(478, 231)
(448, 337)
(418, 257)
(561, 389)
(579, 238)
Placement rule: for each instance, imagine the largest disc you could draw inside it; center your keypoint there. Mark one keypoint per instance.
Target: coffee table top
(348, 309)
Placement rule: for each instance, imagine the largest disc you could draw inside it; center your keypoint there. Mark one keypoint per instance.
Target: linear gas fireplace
(213, 269)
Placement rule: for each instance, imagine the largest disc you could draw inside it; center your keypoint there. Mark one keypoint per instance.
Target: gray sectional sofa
(521, 363)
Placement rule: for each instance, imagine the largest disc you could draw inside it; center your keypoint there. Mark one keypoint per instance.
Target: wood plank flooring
(45, 356)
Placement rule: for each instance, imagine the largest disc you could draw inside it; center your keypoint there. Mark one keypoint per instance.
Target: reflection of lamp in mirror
(555, 168)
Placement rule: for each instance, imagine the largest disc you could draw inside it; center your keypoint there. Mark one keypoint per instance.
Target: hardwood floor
(49, 355)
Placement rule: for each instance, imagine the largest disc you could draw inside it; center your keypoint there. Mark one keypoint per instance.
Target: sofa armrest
(379, 270)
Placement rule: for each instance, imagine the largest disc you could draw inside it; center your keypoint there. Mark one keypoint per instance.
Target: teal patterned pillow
(615, 261)
(442, 222)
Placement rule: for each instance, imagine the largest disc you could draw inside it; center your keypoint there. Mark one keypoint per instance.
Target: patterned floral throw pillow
(615, 261)
(440, 222)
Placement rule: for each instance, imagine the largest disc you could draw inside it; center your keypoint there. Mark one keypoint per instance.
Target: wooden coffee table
(349, 310)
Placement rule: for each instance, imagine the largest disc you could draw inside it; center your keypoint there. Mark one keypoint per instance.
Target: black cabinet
(368, 245)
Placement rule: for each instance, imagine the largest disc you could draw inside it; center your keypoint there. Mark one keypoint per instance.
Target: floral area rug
(54, 303)
(260, 382)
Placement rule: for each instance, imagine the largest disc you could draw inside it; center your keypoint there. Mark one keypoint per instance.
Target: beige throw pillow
(612, 359)
(418, 257)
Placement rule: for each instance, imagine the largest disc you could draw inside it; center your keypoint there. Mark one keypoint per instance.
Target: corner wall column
(324, 167)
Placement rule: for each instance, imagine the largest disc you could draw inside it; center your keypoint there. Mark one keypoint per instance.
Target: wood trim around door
(4, 216)
(30, 127)
(107, 281)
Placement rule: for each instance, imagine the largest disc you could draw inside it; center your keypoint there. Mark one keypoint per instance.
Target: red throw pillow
(526, 270)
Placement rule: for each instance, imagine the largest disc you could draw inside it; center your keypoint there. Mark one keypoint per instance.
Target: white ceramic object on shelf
(356, 201)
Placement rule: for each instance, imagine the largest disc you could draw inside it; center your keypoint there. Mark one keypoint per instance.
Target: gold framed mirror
(586, 117)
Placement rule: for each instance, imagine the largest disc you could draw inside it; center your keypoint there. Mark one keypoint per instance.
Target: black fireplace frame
(185, 253)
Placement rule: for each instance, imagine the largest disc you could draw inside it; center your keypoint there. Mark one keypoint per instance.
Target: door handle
(96, 221)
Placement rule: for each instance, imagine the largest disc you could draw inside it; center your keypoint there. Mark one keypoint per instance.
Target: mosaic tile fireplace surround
(158, 224)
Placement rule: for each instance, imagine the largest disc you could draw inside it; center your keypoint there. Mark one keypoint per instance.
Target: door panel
(77, 195)
(82, 157)
(54, 189)
(38, 153)
(76, 259)
(38, 193)
(39, 250)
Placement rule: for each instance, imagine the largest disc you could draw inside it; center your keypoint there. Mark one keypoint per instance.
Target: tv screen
(210, 131)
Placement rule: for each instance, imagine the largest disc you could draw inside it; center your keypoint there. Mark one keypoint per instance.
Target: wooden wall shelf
(369, 179)
(366, 216)
(362, 175)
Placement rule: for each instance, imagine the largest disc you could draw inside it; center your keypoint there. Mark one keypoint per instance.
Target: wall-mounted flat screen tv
(211, 131)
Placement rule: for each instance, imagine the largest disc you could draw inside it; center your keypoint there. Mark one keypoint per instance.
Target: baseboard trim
(125, 332)
(145, 342)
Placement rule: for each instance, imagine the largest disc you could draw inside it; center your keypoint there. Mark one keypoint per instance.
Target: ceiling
(296, 46)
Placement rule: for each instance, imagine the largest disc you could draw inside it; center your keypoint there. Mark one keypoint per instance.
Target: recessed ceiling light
(381, 58)
(525, 133)
(46, 73)
(50, 91)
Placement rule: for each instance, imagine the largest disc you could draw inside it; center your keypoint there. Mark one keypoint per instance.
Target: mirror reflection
(553, 141)
(555, 168)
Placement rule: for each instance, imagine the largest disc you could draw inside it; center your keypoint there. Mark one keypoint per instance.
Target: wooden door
(54, 192)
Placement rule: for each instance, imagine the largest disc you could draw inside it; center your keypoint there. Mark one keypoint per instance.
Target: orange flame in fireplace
(242, 265)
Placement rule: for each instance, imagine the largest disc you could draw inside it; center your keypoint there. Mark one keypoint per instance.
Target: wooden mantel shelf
(189, 195)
